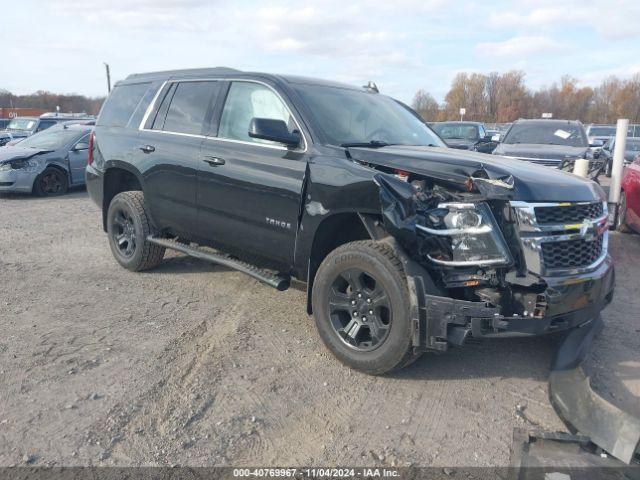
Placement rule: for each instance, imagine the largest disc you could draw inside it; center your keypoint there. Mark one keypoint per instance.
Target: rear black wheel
(361, 307)
(51, 182)
(128, 226)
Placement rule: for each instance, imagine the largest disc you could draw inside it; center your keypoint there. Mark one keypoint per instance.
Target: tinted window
(348, 115)
(189, 106)
(456, 131)
(121, 104)
(602, 131)
(44, 124)
(245, 101)
(547, 134)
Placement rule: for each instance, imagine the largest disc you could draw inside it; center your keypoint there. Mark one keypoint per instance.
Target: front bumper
(570, 302)
(17, 180)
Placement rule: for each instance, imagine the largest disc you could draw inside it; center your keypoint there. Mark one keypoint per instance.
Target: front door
(249, 190)
(169, 152)
(78, 159)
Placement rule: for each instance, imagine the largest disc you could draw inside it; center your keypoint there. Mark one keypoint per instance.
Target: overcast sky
(402, 45)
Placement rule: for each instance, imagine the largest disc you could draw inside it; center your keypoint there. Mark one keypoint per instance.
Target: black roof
(228, 72)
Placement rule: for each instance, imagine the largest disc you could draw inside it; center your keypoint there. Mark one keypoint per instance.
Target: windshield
(456, 131)
(602, 131)
(348, 116)
(22, 124)
(51, 139)
(547, 134)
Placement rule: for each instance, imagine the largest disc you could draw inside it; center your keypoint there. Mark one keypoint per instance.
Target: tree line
(504, 97)
(49, 101)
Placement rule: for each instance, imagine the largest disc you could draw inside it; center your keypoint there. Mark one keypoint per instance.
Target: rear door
(249, 190)
(169, 152)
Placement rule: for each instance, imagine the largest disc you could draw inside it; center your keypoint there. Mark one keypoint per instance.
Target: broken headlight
(19, 164)
(469, 234)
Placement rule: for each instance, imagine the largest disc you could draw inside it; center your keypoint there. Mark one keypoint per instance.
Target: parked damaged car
(405, 247)
(47, 163)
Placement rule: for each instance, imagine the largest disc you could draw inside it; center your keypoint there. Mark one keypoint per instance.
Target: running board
(276, 281)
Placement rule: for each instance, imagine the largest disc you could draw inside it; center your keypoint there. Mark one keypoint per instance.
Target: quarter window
(121, 104)
(247, 100)
(189, 106)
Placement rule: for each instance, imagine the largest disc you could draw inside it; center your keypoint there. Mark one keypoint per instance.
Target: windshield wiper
(370, 144)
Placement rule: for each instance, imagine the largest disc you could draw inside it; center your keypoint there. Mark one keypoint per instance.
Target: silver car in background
(46, 163)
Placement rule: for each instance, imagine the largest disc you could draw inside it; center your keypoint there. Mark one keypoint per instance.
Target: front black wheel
(128, 226)
(361, 307)
(51, 182)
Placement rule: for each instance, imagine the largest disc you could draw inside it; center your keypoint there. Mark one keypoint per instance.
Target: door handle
(214, 161)
(147, 148)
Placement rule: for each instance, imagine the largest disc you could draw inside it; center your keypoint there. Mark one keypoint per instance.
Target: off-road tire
(44, 188)
(378, 259)
(145, 255)
(621, 225)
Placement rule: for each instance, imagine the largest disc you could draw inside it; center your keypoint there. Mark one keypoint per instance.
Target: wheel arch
(56, 166)
(334, 231)
(118, 178)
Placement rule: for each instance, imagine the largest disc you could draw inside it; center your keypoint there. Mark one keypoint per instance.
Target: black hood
(530, 183)
(17, 153)
(534, 150)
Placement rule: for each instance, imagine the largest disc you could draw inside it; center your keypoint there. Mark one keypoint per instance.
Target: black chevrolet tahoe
(405, 245)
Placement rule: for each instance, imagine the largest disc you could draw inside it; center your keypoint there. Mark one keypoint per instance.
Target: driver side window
(247, 100)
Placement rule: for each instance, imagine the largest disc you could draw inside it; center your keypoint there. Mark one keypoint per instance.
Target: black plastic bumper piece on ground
(615, 431)
(276, 281)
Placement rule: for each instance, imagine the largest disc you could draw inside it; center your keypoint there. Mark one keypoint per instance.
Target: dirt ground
(192, 364)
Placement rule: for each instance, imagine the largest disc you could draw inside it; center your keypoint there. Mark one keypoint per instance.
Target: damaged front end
(482, 263)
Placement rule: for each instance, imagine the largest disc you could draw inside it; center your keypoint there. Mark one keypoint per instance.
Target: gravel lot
(192, 364)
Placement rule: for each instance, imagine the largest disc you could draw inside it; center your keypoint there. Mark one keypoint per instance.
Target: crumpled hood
(531, 150)
(16, 153)
(529, 182)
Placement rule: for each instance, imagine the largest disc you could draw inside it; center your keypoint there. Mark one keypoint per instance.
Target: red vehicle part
(631, 189)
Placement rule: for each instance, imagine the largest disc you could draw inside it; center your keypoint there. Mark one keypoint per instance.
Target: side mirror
(80, 146)
(596, 143)
(274, 131)
(496, 138)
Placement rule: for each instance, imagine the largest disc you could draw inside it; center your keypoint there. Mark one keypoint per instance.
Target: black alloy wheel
(359, 309)
(123, 233)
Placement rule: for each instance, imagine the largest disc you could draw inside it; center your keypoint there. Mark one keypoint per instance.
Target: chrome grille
(572, 253)
(561, 239)
(572, 213)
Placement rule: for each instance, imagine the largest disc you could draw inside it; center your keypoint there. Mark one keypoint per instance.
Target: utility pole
(106, 66)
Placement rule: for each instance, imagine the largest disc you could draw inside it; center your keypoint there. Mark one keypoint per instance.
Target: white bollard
(581, 167)
(618, 160)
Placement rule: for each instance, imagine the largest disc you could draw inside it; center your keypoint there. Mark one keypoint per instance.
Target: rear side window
(188, 108)
(121, 104)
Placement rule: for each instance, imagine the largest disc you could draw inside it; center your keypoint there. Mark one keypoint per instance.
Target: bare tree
(426, 106)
